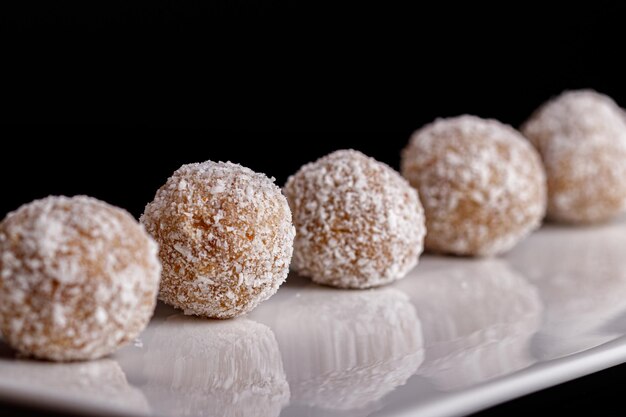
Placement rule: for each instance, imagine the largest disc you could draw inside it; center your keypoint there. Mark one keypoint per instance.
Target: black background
(90, 88)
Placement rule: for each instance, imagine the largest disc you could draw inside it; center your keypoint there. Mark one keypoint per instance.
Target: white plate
(456, 336)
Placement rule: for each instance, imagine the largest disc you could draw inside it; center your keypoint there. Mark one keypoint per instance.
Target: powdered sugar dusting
(581, 136)
(359, 223)
(78, 278)
(226, 238)
(481, 183)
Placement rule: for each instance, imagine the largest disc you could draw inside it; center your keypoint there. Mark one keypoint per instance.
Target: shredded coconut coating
(482, 185)
(78, 278)
(225, 237)
(581, 136)
(229, 369)
(359, 223)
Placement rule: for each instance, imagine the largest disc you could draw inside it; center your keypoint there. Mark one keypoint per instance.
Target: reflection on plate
(199, 367)
(352, 346)
(477, 319)
(100, 382)
(581, 273)
(447, 340)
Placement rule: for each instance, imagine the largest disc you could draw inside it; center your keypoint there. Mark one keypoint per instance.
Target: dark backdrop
(270, 84)
(89, 89)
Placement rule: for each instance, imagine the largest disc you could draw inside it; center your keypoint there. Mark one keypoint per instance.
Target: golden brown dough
(359, 223)
(482, 185)
(225, 237)
(78, 278)
(581, 136)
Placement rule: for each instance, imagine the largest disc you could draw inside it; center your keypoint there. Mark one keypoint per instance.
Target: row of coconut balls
(78, 277)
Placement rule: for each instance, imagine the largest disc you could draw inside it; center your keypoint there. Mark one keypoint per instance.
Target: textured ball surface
(482, 185)
(359, 223)
(78, 278)
(581, 136)
(225, 237)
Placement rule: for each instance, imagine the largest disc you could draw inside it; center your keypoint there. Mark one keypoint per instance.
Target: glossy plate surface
(455, 336)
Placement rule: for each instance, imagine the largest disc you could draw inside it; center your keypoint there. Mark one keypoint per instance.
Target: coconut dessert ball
(225, 237)
(581, 136)
(78, 278)
(482, 185)
(359, 223)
